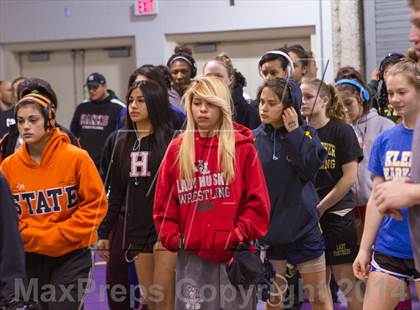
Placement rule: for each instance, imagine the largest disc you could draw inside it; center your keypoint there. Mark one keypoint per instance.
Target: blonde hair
(214, 91)
(410, 69)
(335, 107)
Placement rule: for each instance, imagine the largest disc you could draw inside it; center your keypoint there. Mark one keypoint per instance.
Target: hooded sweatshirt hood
(297, 98)
(56, 140)
(367, 128)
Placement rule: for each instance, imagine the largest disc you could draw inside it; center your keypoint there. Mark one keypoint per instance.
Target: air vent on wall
(205, 47)
(115, 52)
(38, 56)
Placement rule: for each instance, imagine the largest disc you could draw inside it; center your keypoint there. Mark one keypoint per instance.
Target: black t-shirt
(7, 119)
(340, 141)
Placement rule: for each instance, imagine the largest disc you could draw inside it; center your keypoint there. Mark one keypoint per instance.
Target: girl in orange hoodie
(60, 200)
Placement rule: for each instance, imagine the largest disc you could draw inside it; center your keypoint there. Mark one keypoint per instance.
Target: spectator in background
(221, 66)
(312, 71)
(378, 86)
(278, 64)
(182, 68)
(300, 60)
(6, 97)
(97, 117)
(7, 116)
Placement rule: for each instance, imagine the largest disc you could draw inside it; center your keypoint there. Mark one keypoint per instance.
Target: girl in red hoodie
(60, 200)
(210, 194)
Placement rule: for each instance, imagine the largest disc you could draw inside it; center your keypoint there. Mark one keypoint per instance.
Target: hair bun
(183, 49)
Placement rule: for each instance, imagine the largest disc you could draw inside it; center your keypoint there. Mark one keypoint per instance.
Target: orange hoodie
(61, 201)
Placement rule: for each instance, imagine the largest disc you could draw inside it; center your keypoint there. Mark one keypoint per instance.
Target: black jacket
(290, 162)
(134, 166)
(93, 122)
(12, 257)
(244, 113)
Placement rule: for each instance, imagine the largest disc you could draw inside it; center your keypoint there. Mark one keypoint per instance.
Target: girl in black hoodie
(291, 155)
(139, 152)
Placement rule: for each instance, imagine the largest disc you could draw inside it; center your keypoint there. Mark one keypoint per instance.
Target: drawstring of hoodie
(274, 145)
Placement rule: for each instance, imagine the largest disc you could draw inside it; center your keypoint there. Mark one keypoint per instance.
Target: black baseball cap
(95, 79)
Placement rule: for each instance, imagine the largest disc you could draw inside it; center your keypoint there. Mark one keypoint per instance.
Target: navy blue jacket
(290, 162)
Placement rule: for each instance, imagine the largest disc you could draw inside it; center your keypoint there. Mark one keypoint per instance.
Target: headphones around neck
(290, 68)
(364, 93)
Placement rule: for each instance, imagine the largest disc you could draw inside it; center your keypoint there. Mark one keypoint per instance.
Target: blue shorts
(307, 248)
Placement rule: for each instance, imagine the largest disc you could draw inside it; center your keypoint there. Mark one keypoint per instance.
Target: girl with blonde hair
(210, 196)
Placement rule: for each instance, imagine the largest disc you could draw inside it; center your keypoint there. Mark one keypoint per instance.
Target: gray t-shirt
(414, 212)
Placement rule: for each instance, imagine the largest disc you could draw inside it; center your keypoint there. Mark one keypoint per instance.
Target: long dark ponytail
(157, 104)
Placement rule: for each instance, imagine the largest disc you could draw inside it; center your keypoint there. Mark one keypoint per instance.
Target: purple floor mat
(96, 298)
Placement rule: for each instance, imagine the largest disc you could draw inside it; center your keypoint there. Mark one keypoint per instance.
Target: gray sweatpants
(205, 285)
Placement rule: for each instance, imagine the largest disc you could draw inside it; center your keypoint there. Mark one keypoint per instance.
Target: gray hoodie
(367, 128)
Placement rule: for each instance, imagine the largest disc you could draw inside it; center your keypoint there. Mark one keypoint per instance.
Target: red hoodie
(207, 211)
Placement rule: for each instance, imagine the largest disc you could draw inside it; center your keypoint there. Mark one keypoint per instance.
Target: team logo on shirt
(10, 122)
(329, 164)
(139, 164)
(204, 187)
(94, 121)
(202, 167)
(50, 200)
(397, 164)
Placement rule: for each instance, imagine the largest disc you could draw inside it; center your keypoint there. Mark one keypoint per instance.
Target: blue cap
(95, 79)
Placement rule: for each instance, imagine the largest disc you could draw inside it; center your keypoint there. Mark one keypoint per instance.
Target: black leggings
(117, 269)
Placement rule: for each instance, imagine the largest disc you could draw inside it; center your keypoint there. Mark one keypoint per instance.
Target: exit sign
(145, 7)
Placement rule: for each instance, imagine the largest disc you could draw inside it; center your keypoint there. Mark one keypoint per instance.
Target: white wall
(45, 20)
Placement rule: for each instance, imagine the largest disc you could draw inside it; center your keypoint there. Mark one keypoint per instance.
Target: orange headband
(41, 100)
